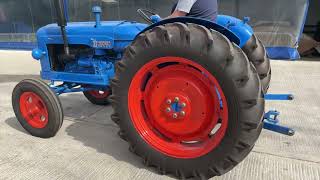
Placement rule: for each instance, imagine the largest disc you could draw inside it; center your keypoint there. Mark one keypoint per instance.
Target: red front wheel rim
(178, 107)
(34, 110)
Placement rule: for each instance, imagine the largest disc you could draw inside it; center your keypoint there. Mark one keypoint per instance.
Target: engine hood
(115, 30)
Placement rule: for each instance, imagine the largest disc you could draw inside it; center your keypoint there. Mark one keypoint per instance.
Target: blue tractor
(188, 94)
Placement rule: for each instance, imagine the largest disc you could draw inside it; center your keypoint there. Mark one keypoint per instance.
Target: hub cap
(99, 94)
(178, 107)
(33, 110)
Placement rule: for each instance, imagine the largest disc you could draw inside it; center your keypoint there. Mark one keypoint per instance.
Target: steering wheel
(146, 14)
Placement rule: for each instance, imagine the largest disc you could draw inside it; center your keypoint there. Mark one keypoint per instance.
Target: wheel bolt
(168, 110)
(182, 113)
(183, 105)
(176, 99)
(169, 101)
(42, 118)
(30, 99)
(175, 115)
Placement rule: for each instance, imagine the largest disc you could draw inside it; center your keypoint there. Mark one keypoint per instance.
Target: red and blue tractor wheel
(187, 100)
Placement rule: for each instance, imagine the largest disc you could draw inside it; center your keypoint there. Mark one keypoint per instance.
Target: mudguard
(239, 27)
(236, 30)
(210, 25)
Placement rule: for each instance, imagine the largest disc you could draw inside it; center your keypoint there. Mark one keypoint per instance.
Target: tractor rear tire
(37, 108)
(177, 61)
(257, 54)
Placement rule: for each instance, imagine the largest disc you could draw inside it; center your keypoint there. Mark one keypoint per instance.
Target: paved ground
(87, 146)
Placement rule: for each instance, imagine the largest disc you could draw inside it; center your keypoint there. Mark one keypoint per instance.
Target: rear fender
(210, 25)
(239, 27)
(236, 30)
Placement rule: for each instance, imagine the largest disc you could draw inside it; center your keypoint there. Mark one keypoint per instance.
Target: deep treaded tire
(257, 54)
(212, 53)
(37, 108)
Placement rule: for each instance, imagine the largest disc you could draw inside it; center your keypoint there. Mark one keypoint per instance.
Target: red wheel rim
(99, 94)
(34, 110)
(178, 107)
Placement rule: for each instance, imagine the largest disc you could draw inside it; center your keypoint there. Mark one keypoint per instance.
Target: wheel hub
(33, 110)
(179, 103)
(100, 94)
(177, 106)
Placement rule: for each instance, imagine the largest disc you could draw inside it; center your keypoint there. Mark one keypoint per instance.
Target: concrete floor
(87, 146)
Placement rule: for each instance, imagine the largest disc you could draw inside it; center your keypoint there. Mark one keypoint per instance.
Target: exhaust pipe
(62, 22)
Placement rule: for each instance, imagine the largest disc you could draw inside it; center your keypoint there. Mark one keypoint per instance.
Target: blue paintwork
(155, 18)
(239, 27)
(96, 10)
(176, 107)
(271, 121)
(112, 35)
(37, 53)
(285, 53)
(211, 25)
(272, 116)
(74, 87)
(97, 68)
(238, 31)
(279, 97)
(116, 34)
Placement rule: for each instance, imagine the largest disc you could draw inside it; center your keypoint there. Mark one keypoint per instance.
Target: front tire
(37, 108)
(187, 63)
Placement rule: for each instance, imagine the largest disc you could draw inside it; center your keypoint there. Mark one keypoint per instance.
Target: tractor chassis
(67, 87)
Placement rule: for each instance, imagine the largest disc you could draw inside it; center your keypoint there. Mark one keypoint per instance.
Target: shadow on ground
(14, 123)
(102, 138)
(92, 126)
(105, 140)
(97, 130)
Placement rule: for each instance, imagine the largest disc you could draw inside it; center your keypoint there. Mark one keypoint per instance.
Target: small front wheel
(37, 108)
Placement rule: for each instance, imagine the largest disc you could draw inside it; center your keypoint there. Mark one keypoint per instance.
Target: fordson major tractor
(187, 94)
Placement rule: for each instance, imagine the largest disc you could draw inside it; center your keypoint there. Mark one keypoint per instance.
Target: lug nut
(30, 99)
(183, 105)
(42, 118)
(176, 99)
(182, 113)
(175, 115)
(168, 110)
(169, 101)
